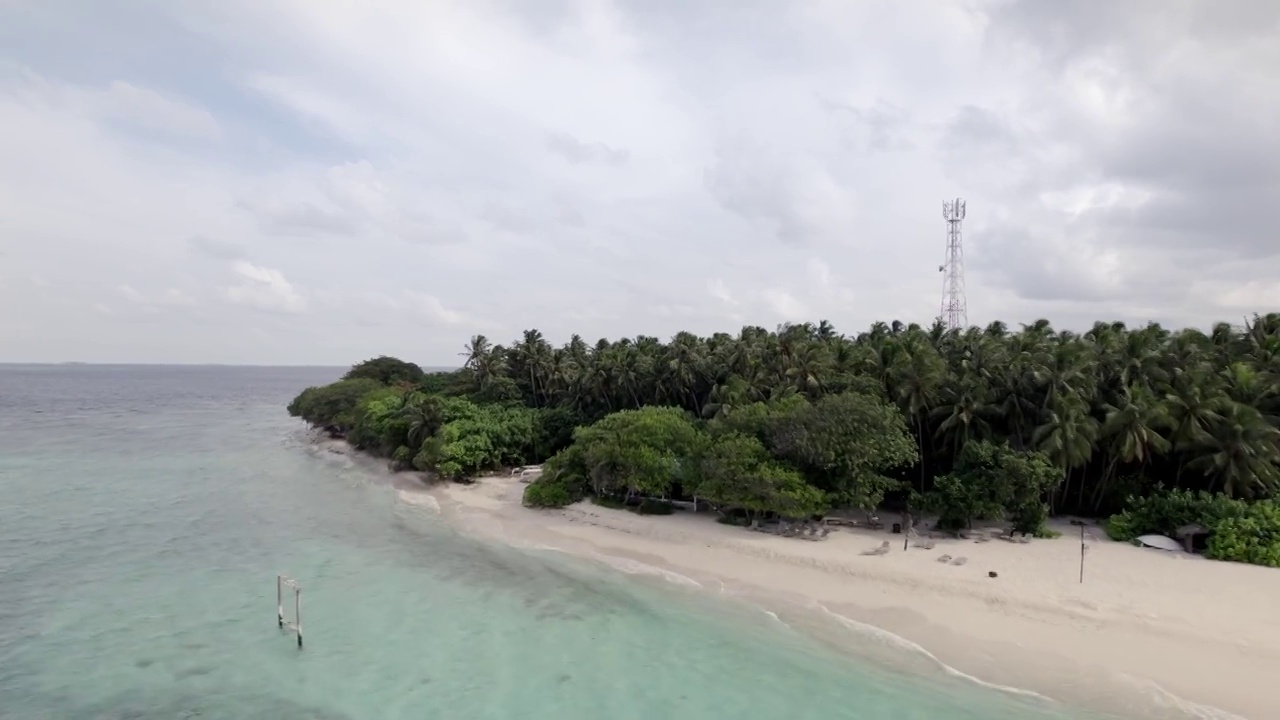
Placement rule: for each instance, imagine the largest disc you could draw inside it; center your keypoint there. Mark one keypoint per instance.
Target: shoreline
(1147, 635)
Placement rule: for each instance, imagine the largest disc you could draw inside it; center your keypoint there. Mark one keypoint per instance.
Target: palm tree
(918, 377)
(1132, 428)
(1239, 453)
(1067, 436)
(1191, 409)
(425, 417)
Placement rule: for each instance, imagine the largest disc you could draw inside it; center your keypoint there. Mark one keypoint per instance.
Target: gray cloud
(217, 249)
(301, 218)
(578, 152)
(882, 127)
(709, 165)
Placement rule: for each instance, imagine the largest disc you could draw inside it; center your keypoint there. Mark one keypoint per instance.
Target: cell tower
(955, 315)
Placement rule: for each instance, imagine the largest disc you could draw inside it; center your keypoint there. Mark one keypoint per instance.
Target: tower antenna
(955, 314)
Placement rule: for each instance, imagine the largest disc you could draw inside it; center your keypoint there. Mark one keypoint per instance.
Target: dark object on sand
(897, 528)
(991, 573)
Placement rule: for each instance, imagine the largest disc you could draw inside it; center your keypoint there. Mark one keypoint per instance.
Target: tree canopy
(386, 370)
(1084, 422)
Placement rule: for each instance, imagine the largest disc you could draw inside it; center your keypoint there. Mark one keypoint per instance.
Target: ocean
(146, 512)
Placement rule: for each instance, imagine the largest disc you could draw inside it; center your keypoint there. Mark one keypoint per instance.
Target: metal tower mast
(955, 314)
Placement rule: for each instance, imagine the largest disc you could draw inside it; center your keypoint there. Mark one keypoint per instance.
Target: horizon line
(78, 363)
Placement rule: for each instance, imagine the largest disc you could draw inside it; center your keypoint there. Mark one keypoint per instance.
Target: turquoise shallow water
(146, 512)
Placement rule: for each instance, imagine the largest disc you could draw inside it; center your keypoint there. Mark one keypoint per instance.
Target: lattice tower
(955, 314)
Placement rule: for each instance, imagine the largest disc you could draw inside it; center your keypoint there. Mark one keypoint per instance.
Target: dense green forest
(1157, 427)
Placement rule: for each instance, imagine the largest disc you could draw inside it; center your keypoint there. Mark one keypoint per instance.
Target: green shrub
(552, 492)
(378, 423)
(563, 481)
(1239, 531)
(402, 458)
(476, 437)
(333, 405)
(547, 495)
(1164, 512)
(1254, 538)
(993, 481)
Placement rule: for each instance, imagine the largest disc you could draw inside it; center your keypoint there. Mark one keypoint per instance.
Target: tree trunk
(1106, 480)
(920, 443)
(1080, 495)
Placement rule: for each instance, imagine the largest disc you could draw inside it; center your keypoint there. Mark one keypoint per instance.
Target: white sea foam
(905, 644)
(1188, 708)
(419, 499)
(634, 567)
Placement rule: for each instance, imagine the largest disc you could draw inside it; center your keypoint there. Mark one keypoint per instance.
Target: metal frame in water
(294, 626)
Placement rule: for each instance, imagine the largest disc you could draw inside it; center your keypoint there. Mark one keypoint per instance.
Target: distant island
(1162, 432)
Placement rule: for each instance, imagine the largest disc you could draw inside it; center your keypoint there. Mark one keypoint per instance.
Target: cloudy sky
(318, 181)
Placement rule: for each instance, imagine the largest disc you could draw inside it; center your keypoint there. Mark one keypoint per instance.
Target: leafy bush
(641, 451)
(378, 423)
(1165, 511)
(451, 382)
(1254, 538)
(843, 443)
(553, 430)
(477, 437)
(499, 389)
(994, 481)
(960, 499)
(333, 405)
(1239, 531)
(549, 494)
(562, 482)
(736, 470)
(402, 458)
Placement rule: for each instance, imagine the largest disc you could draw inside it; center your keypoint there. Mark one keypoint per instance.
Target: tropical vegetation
(970, 424)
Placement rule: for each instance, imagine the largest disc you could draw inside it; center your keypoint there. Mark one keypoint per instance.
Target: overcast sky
(315, 182)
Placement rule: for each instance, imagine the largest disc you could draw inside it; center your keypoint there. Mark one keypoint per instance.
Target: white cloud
(433, 309)
(264, 289)
(720, 291)
(612, 167)
(786, 306)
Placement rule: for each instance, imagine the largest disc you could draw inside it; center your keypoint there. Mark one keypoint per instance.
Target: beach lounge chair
(882, 550)
(818, 534)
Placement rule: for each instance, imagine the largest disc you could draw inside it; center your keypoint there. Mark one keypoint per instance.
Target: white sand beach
(1146, 632)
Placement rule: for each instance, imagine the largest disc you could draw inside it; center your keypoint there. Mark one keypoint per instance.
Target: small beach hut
(1194, 537)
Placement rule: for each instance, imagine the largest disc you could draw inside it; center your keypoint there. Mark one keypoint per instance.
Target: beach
(1147, 634)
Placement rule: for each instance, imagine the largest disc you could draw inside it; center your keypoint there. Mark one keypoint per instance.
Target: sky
(317, 182)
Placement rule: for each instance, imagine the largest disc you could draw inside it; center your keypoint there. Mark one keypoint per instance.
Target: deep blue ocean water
(147, 510)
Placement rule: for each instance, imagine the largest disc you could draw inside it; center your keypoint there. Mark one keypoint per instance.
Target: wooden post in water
(296, 625)
(297, 613)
